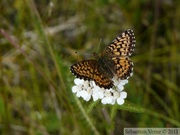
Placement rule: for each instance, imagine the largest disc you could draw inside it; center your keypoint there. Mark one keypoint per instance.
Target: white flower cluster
(86, 89)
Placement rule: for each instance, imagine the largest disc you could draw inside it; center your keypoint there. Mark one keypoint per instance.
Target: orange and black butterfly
(113, 62)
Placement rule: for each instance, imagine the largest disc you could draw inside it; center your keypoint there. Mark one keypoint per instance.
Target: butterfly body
(104, 65)
(113, 62)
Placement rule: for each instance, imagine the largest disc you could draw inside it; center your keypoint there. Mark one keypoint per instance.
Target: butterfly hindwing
(123, 67)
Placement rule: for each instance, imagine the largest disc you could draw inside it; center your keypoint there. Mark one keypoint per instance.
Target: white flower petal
(89, 90)
(107, 100)
(116, 81)
(107, 93)
(123, 82)
(104, 101)
(120, 101)
(78, 94)
(123, 94)
(116, 94)
(113, 101)
(120, 87)
(95, 97)
(78, 81)
(101, 94)
(98, 93)
(75, 89)
(85, 95)
(86, 84)
(94, 84)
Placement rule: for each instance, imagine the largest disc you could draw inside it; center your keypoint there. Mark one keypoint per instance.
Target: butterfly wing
(123, 67)
(122, 45)
(89, 70)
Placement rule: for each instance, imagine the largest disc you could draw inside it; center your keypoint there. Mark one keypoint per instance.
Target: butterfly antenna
(98, 46)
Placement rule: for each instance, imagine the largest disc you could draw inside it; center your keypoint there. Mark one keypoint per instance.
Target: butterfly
(113, 62)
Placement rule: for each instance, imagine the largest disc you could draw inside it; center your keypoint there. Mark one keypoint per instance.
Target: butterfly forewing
(89, 70)
(122, 45)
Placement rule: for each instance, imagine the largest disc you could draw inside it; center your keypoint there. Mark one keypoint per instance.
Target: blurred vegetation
(38, 41)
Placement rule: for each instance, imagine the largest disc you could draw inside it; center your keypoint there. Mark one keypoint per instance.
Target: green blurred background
(38, 41)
